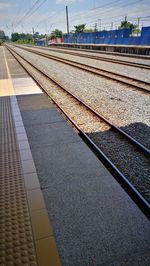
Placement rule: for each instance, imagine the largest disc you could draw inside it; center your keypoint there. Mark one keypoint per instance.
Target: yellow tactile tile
(46, 252)
(18, 255)
(40, 224)
(16, 236)
(35, 200)
(25, 232)
(31, 181)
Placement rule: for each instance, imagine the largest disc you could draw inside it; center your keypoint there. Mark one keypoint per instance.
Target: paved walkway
(26, 236)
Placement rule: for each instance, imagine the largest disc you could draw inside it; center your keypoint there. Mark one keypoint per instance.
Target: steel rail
(125, 183)
(112, 60)
(95, 70)
(140, 146)
(138, 56)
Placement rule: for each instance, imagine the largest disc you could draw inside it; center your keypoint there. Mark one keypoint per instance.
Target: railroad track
(87, 120)
(112, 60)
(139, 85)
(138, 56)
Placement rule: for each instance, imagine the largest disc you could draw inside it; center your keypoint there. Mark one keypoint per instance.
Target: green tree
(80, 28)
(89, 30)
(15, 36)
(28, 37)
(56, 34)
(127, 25)
(21, 37)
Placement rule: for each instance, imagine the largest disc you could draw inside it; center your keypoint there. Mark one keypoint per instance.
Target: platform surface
(92, 219)
(26, 235)
(116, 48)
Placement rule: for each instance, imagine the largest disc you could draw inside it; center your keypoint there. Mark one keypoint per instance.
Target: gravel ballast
(132, 72)
(128, 160)
(126, 58)
(125, 107)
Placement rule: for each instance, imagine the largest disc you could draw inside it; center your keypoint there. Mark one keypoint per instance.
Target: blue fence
(110, 37)
(41, 42)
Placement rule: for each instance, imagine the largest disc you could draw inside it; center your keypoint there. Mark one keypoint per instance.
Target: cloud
(105, 17)
(5, 5)
(89, 17)
(48, 21)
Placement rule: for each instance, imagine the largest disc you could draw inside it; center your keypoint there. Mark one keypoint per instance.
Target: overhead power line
(37, 8)
(99, 13)
(82, 13)
(18, 12)
(108, 4)
(31, 11)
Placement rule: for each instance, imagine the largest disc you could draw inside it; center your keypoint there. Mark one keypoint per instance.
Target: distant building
(41, 42)
(2, 35)
(57, 40)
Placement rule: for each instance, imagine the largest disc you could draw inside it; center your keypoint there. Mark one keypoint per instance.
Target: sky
(46, 15)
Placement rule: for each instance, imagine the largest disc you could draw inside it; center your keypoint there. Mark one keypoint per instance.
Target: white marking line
(9, 76)
(21, 86)
(8, 72)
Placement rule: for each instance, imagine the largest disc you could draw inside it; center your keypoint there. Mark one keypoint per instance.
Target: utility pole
(138, 26)
(100, 23)
(12, 26)
(138, 23)
(33, 33)
(95, 27)
(142, 24)
(112, 24)
(67, 19)
(46, 31)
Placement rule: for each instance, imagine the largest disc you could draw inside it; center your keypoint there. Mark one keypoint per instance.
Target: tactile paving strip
(16, 237)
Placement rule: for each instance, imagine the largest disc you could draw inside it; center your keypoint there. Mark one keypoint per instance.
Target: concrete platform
(94, 221)
(26, 235)
(129, 49)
